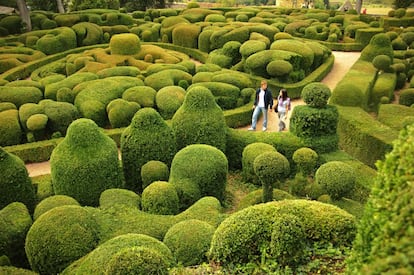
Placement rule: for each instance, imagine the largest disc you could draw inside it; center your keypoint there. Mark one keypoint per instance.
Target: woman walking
(283, 108)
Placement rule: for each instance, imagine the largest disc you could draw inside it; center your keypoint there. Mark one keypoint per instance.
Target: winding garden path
(343, 61)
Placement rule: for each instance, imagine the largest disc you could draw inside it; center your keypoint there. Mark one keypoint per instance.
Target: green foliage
(383, 244)
(79, 5)
(120, 112)
(160, 197)
(279, 68)
(252, 46)
(243, 235)
(15, 221)
(305, 160)
(337, 178)
(169, 99)
(406, 97)
(249, 154)
(186, 35)
(125, 44)
(270, 167)
(147, 138)
(380, 44)
(143, 95)
(199, 168)
(347, 94)
(298, 47)
(256, 197)
(189, 241)
(199, 111)
(95, 153)
(118, 71)
(168, 77)
(71, 81)
(52, 202)
(114, 196)
(60, 115)
(57, 40)
(88, 33)
(382, 62)
(47, 251)
(15, 182)
(154, 170)
(316, 94)
(20, 95)
(10, 130)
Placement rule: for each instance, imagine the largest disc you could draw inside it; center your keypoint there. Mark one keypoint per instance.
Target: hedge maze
(138, 114)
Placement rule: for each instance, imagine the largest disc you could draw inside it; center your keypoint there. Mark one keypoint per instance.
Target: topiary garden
(138, 114)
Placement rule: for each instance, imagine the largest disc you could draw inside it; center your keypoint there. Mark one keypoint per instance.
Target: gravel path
(343, 61)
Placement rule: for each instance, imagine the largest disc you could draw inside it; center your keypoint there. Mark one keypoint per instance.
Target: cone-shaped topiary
(59, 237)
(201, 167)
(15, 222)
(189, 241)
(384, 244)
(15, 183)
(200, 120)
(85, 163)
(147, 138)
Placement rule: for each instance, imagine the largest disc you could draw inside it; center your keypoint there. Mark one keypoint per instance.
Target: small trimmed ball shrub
(382, 62)
(52, 202)
(347, 94)
(279, 68)
(249, 154)
(316, 94)
(337, 178)
(160, 197)
(305, 160)
(189, 241)
(169, 99)
(143, 95)
(154, 170)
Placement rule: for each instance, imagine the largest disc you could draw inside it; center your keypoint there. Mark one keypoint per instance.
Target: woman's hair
(284, 94)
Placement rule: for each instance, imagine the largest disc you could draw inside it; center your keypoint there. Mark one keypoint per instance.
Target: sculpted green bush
(226, 95)
(249, 154)
(143, 95)
(154, 170)
(120, 112)
(59, 237)
(148, 137)
(96, 167)
(186, 35)
(305, 160)
(160, 197)
(57, 40)
(316, 94)
(20, 95)
(406, 97)
(347, 94)
(202, 167)
(15, 182)
(168, 100)
(15, 221)
(88, 33)
(380, 44)
(168, 77)
(71, 81)
(10, 129)
(199, 111)
(242, 236)
(113, 196)
(52, 202)
(256, 197)
(189, 241)
(125, 44)
(119, 71)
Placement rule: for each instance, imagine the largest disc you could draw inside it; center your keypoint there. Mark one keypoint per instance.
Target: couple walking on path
(264, 101)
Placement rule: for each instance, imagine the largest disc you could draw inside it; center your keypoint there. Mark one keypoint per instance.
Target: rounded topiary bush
(240, 238)
(114, 196)
(382, 62)
(10, 129)
(125, 44)
(137, 261)
(305, 160)
(201, 167)
(52, 202)
(288, 240)
(256, 197)
(160, 197)
(37, 122)
(380, 44)
(337, 178)
(148, 137)
(271, 168)
(347, 94)
(250, 152)
(57, 40)
(251, 46)
(316, 94)
(143, 95)
(15, 222)
(279, 68)
(96, 167)
(15, 183)
(154, 170)
(406, 97)
(98, 260)
(189, 241)
(59, 237)
(120, 112)
(199, 111)
(169, 99)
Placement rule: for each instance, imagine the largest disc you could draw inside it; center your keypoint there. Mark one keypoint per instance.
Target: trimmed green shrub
(186, 35)
(52, 202)
(406, 97)
(380, 44)
(279, 68)
(15, 222)
(96, 168)
(12, 24)
(15, 182)
(10, 130)
(26, 83)
(160, 197)
(226, 95)
(256, 197)
(168, 77)
(271, 168)
(71, 81)
(305, 160)
(200, 167)
(298, 47)
(382, 62)
(59, 237)
(57, 40)
(249, 154)
(189, 241)
(148, 137)
(60, 115)
(37, 122)
(120, 112)
(6, 269)
(143, 95)
(88, 34)
(125, 44)
(169, 99)
(316, 94)
(102, 257)
(288, 240)
(199, 111)
(242, 237)
(154, 170)
(250, 47)
(137, 260)
(20, 95)
(114, 196)
(119, 71)
(4, 106)
(383, 245)
(337, 178)
(348, 94)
